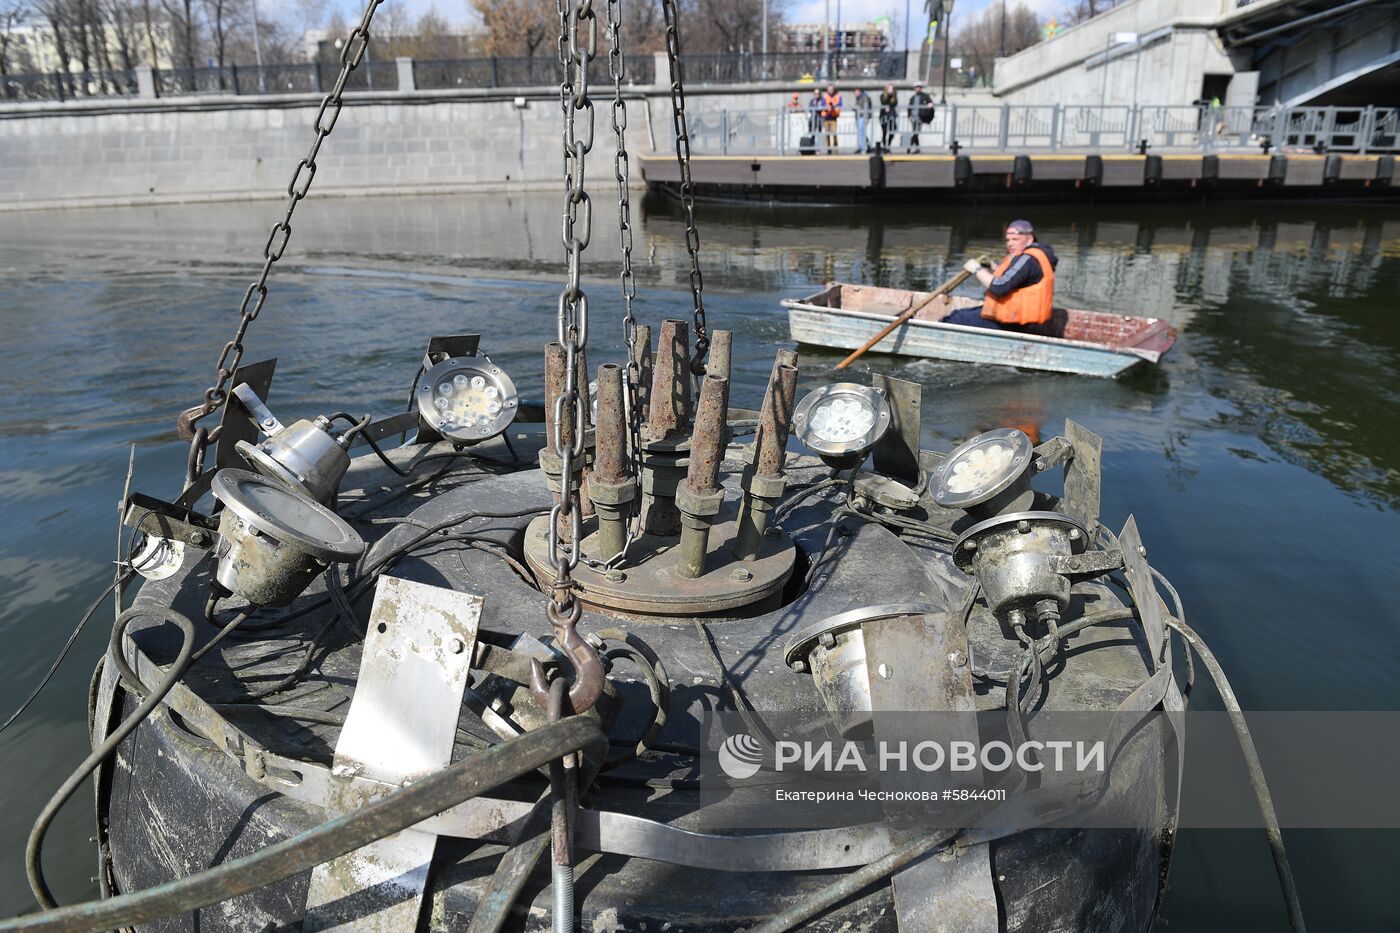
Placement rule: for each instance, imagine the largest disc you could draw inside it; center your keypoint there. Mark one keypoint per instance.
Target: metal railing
(304, 78)
(58, 85)
(514, 72)
(1056, 127)
(747, 67)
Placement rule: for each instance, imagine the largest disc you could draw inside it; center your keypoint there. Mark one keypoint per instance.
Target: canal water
(1262, 458)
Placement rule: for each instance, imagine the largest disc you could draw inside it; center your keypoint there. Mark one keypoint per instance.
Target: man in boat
(1020, 290)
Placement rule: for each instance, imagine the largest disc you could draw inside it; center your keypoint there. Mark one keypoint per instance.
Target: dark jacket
(889, 103)
(863, 104)
(1023, 271)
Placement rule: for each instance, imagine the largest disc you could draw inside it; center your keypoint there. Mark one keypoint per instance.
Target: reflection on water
(1260, 458)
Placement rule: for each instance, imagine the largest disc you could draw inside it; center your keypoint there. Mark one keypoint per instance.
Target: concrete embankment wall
(220, 148)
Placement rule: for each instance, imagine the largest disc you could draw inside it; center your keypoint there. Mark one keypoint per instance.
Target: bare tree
(516, 27)
(12, 14)
(184, 26)
(709, 26)
(1080, 10)
(982, 42)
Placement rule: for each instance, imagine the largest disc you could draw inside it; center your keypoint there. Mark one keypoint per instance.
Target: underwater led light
(467, 399)
(984, 468)
(843, 419)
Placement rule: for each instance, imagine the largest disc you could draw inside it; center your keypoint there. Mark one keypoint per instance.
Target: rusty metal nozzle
(700, 498)
(643, 370)
(670, 383)
(609, 486)
(775, 421)
(720, 341)
(764, 481)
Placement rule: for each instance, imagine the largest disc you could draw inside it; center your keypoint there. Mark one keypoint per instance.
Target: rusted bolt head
(498, 704)
(269, 422)
(957, 658)
(456, 646)
(885, 671)
(800, 666)
(1023, 526)
(827, 640)
(199, 538)
(1142, 550)
(615, 576)
(1074, 534)
(740, 575)
(969, 546)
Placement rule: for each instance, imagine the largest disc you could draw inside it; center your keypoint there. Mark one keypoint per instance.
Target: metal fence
(67, 86)
(311, 77)
(746, 67)
(1054, 127)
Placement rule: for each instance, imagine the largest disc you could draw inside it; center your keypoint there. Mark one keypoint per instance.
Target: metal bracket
(1089, 562)
(257, 410)
(169, 520)
(1052, 453)
(450, 345)
(233, 426)
(401, 725)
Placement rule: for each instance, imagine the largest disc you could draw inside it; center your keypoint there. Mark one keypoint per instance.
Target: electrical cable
(34, 848)
(67, 645)
(853, 883)
(1272, 831)
(425, 797)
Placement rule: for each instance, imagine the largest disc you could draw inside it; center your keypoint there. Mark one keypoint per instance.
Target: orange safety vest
(1028, 305)
(832, 110)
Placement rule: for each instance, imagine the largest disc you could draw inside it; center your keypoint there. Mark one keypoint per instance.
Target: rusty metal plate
(401, 725)
(897, 452)
(1149, 604)
(920, 662)
(1082, 481)
(652, 586)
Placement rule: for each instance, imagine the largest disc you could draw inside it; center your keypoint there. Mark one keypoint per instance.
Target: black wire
(63, 652)
(34, 849)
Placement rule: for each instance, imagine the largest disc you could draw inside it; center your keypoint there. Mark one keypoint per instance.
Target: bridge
(1282, 53)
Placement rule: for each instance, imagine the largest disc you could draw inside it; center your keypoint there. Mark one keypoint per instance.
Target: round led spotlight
(843, 419)
(991, 466)
(467, 399)
(274, 539)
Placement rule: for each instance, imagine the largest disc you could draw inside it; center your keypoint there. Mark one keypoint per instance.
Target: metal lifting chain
(351, 54)
(579, 42)
(692, 236)
(621, 168)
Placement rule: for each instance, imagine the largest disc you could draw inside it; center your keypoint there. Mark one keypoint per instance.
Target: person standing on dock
(863, 107)
(1020, 290)
(889, 116)
(920, 112)
(831, 112)
(814, 112)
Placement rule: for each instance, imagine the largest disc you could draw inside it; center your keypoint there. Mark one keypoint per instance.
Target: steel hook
(588, 667)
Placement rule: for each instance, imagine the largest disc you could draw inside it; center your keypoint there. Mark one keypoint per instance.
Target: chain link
(578, 45)
(351, 55)
(622, 170)
(671, 12)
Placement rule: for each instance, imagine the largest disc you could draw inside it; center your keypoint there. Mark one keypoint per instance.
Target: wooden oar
(943, 289)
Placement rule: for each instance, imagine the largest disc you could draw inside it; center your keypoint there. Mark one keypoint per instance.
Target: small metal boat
(1093, 343)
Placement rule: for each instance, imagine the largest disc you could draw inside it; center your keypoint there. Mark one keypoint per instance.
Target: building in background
(857, 37)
